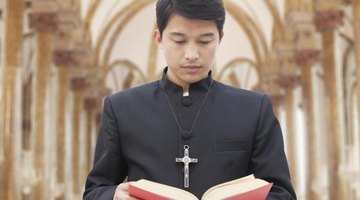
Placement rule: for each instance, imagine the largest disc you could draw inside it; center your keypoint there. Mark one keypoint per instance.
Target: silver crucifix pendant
(186, 160)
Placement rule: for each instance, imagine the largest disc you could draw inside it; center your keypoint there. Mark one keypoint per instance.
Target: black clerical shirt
(236, 134)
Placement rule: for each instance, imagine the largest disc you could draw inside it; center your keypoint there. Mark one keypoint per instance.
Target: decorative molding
(43, 21)
(104, 91)
(277, 99)
(307, 57)
(90, 103)
(347, 2)
(328, 19)
(69, 19)
(66, 58)
(79, 84)
(28, 3)
(289, 81)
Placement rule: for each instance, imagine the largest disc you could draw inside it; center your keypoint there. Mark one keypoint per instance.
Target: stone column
(306, 55)
(288, 82)
(356, 14)
(270, 84)
(64, 62)
(91, 105)
(356, 20)
(326, 21)
(277, 100)
(42, 20)
(41, 80)
(63, 85)
(13, 48)
(306, 59)
(78, 86)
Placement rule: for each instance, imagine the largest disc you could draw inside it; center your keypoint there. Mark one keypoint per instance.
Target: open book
(246, 188)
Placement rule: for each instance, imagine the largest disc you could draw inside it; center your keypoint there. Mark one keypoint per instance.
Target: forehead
(180, 24)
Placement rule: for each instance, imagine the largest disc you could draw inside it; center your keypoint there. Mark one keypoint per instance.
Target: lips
(192, 67)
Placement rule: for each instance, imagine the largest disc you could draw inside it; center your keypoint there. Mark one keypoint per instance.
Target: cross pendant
(186, 160)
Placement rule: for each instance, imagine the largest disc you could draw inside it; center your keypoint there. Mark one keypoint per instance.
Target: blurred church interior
(60, 58)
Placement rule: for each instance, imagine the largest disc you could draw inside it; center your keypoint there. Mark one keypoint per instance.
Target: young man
(228, 132)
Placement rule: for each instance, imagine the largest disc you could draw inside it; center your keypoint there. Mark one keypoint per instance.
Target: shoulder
(241, 98)
(234, 92)
(135, 92)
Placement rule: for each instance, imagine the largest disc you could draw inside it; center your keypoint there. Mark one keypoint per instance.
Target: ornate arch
(254, 33)
(238, 63)
(278, 28)
(349, 79)
(127, 64)
(128, 12)
(88, 18)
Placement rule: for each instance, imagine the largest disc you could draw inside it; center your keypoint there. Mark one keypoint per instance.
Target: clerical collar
(202, 85)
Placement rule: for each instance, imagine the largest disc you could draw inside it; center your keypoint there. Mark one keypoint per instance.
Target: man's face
(189, 48)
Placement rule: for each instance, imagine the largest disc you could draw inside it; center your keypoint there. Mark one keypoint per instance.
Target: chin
(194, 79)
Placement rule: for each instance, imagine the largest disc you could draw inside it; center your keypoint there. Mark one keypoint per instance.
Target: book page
(239, 180)
(164, 190)
(234, 187)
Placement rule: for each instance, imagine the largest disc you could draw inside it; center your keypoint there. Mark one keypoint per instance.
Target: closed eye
(205, 42)
(179, 41)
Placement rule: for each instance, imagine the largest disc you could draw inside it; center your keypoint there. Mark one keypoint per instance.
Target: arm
(109, 169)
(268, 159)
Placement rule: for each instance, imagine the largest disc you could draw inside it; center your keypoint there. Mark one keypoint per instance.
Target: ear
(157, 37)
(221, 36)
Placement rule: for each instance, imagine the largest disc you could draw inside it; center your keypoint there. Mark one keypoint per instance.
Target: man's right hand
(122, 192)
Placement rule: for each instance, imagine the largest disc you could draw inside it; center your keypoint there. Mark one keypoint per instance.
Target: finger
(122, 192)
(123, 187)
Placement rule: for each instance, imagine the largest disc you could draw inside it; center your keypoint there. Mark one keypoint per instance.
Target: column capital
(43, 21)
(270, 84)
(277, 99)
(79, 84)
(68, 27)
(102, 91)
(91, 103)
(70, 53)
(285, 64)
(328, 19)
(66, 58)
(289, 81)
(43, 16)
(346, 2)
(304, 30)
(307, 57)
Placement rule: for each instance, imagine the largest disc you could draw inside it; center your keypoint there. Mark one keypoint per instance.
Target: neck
(186, 89)
(172, 77)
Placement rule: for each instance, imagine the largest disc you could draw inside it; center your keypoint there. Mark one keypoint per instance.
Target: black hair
(193, 9)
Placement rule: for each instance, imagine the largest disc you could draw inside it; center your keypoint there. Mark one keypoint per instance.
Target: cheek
(172, 52)
(209, 54)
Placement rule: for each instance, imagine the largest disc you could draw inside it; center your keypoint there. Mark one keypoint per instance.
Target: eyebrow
(177, 34)
(209, 34)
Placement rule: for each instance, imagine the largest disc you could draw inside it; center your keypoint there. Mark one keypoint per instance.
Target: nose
(192, 53)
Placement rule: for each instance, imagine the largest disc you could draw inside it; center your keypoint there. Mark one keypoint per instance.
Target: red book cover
(143, 194)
